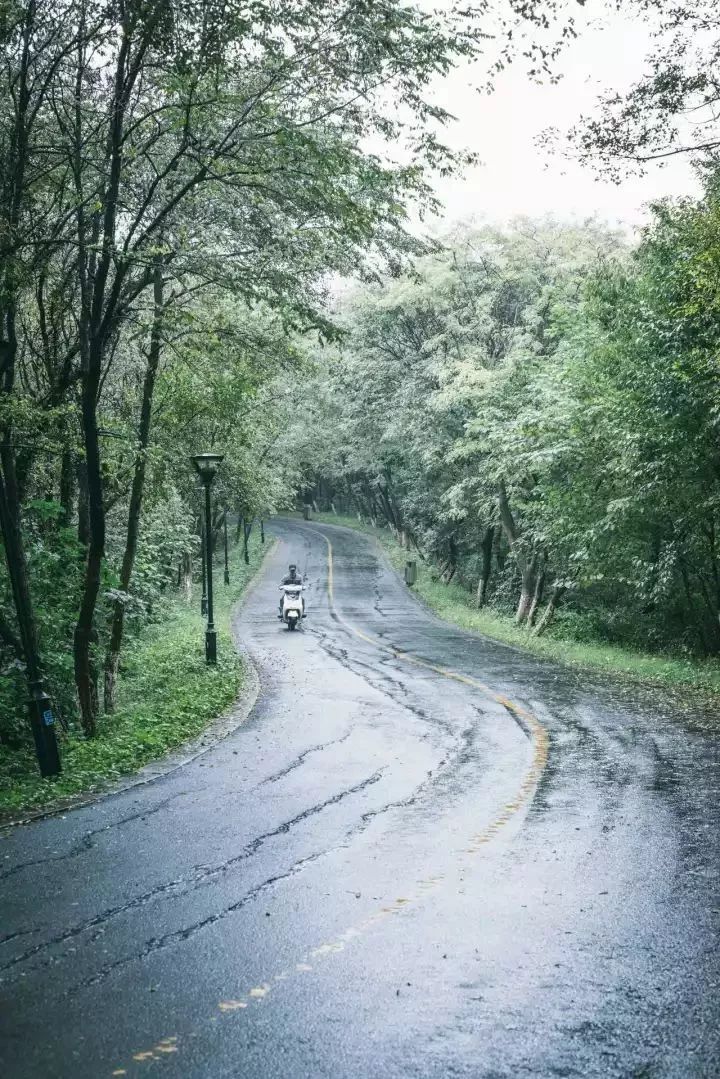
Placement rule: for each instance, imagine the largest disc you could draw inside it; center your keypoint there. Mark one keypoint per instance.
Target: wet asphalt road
(382, 873)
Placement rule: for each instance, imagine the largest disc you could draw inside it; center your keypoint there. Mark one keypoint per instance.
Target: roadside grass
(454, 604)
(166, 696)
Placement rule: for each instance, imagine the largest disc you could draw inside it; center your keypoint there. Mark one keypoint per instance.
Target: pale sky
(517, 176)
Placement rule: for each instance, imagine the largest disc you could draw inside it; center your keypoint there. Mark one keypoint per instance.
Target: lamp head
(206, 465)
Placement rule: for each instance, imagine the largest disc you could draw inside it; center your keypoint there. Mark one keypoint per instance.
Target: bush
(167, 695)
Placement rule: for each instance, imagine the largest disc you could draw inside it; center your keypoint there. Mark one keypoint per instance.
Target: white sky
(517, 176)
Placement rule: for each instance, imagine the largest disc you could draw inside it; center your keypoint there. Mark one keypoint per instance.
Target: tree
(446, 409)
(156, 157)
(672, 110)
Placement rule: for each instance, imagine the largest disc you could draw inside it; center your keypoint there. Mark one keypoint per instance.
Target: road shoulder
(181, 755)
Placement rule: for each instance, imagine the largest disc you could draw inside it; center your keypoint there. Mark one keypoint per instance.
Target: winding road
(424, 854)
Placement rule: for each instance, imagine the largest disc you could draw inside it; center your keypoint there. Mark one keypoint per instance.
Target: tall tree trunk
(117, 626)
(247, 529)
(371, 503)
(486, 568)
(10, 524)
(538, 592)
(100, 291)
(391, 510)
(451, 564)
(387, 508)
(226, 574)
(527, 590)
(85, 669)
(549, 612)
(527, 566)
(67, 487)
(83, 522)
(695, 616)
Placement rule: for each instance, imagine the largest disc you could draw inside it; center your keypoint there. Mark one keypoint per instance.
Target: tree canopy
(182, 182)
(535, 409)
(179, 181)
(672, 109)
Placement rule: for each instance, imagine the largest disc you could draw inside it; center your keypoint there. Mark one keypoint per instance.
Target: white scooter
(293, 605)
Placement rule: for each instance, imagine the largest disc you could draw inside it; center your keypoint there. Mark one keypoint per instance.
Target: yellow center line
(257, 995)
(538, 733)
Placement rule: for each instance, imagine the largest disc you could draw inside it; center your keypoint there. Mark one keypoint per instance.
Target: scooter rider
(293, 577)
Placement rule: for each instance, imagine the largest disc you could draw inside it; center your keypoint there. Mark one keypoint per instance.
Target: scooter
(293, 606)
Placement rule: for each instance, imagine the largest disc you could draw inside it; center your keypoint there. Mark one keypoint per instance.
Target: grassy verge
(167, 695)
(454, 604)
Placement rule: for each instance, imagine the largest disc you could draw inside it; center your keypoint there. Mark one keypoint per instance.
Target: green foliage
(569, 642)
(553, 393)
(178, 183)
(54, 560)
(672, 108)
(168, 695)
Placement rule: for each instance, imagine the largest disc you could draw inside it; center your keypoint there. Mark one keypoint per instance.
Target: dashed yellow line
(256, 995)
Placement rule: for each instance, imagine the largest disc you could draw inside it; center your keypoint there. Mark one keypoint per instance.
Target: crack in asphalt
(300, 760)
(156, 944)
(384, 683)
(342, 656)
(462, 756)
(624, 965)
(203, 874)
(86, 844)
(20, 933)
(180, 935)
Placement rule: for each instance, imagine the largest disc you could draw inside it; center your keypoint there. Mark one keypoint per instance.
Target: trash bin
(410, 573)
(306, 512)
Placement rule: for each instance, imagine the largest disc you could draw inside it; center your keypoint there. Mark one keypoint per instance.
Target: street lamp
(203, 601)
(227, 566)
(206, 465)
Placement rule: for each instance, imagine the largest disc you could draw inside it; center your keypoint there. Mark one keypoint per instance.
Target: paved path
(424, 855)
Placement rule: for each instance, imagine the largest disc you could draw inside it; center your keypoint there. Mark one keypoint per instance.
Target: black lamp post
(203, 601)
(206, 465)
(227, 564)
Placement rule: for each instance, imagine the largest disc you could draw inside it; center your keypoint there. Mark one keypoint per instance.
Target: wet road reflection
(381, 873)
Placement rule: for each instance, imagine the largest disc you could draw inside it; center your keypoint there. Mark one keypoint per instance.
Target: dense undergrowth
(167, 695)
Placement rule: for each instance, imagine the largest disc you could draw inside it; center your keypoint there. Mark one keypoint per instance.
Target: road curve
(423, 855)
